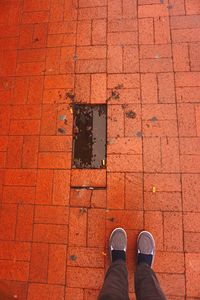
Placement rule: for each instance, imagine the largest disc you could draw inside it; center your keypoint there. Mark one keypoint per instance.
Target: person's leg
(147, 286)
(115, 286)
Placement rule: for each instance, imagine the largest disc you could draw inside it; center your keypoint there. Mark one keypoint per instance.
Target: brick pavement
(141, 57)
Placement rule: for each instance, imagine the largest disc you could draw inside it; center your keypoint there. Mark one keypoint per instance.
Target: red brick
(115, 59)
(51, 96)
(169, 262)
(161, 111)
(127, 80)
(62, 27)
(30, 152)
(50, 233)
(84, 32)
(129, 9)
(65, 110)
(173, 237)
(178, 7)
(122, 38)
(195, 57)
(20, 90)
(67, 62)
(186, 120)
(197, 110)
(134, 191)
(132, 125)
(15, 250)
(91, 52)
(44, 187)
(9, 43)
(114, 9)
(185, 22)
(76, 277)
(149, 88)
(56, 10)
(190, 163)
(85, 257)
(166, 92)
(24, 227)
(82, 88)
(5, 97)
(163, 201)
(24, 195)
(20, 177)
(160, 129)
(120, 25)
(128, 219)
(35, 17)
(96, 228)
(39, 262)
(2, 159)
(61, 187)
(77, 227)
(192, 274)
(191, 241)
(26, 36)
(92, 3)
(192, 7)
(115, 190)
(162, 182)
(155, 51)
(146, 31)
(95, 178)
(57, 265)
(17, 270)
(172, 284)
(99, 32)
(48, 120)
(115, 116)
(80, 197)
(92, 13)
(74, 293)
(45, 291)
(155, 65)
(53, 60)
(152, 154)
(98, 88)
(55, 143)
(126, 96)
(8, 64)
(9, 30)
(91, 66)
(51, 214)
(130, 59)
(70, 12)
(162, 30)
(58, 81)
(31, 55)
(185, 35)
(40, 35)
(154, 224)
(32, 68)
(10, 288)
(193, 226)
(61, 40)
(35, 90)
(24, 127)
(120, 145)
(21, 112)
(154, 10)
(187, 79)
(170, 155)
(55, 160)
(8, 221)
(36, 5)
(124, 163)
(98, 199)
(14, 152)
(191, 188)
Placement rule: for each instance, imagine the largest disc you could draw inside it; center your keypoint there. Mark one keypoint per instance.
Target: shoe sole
(154, 245)
(111, 235)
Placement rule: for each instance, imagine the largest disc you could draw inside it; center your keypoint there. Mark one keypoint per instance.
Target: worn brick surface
(142, 59)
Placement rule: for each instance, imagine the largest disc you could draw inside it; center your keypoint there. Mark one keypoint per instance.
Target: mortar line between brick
(181, 192)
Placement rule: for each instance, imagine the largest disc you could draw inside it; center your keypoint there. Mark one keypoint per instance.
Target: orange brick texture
(141, 58)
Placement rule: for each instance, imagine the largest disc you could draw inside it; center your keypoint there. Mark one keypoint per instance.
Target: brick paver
(142, 58)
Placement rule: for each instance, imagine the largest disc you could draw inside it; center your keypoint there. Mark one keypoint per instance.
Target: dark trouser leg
(115, 286)
(146, 284)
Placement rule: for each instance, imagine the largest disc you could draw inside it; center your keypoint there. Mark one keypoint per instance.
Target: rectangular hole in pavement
(89, 136)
